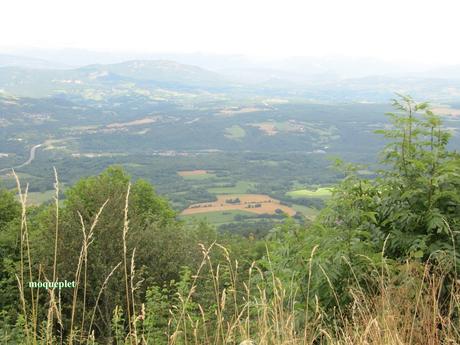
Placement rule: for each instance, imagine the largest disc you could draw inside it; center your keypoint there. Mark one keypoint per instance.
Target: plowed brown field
(248, 202)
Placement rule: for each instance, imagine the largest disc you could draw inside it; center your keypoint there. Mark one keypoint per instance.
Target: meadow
(321, 192)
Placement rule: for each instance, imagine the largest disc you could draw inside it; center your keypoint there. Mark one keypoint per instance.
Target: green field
(216, 218)
(323, 192)
(235, 132)
(241, 187)
(308, 212)
(37, 198)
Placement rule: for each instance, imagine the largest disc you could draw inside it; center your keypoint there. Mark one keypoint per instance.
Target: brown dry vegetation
(139, 122)
(235, 111)
(192, 172)
(247, 202)
(266, 127)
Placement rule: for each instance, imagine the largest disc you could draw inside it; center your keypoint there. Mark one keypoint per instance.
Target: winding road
(27, 162)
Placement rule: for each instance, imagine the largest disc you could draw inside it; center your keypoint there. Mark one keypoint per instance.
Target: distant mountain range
(138, 74)
(159, 70)
(331, 66)
(328, 79)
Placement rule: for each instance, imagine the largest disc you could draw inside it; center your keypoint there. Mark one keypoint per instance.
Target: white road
(27, 162)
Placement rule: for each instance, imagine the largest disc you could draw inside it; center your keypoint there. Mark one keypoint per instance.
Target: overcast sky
(419, 31)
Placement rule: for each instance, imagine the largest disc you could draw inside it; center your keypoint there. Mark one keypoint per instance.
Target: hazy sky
(422, 31)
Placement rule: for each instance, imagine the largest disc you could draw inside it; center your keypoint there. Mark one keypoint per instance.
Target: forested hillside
(377, 264)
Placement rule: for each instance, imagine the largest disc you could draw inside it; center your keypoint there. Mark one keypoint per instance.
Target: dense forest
(378, 265)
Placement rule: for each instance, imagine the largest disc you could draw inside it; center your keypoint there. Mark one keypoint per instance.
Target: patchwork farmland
(254, 203)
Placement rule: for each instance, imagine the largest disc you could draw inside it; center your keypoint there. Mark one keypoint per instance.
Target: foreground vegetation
(377, 266)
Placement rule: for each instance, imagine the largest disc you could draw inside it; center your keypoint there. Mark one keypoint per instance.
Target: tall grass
(248, 307)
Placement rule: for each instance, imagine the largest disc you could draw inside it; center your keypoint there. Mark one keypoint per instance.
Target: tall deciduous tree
(160, 245)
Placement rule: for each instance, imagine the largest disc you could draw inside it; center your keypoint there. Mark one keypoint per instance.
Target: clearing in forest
(322, 192)
(290, 126)
(235, 132)
(231, 111)
(138, 122)
(195, 174)
(255, 203)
